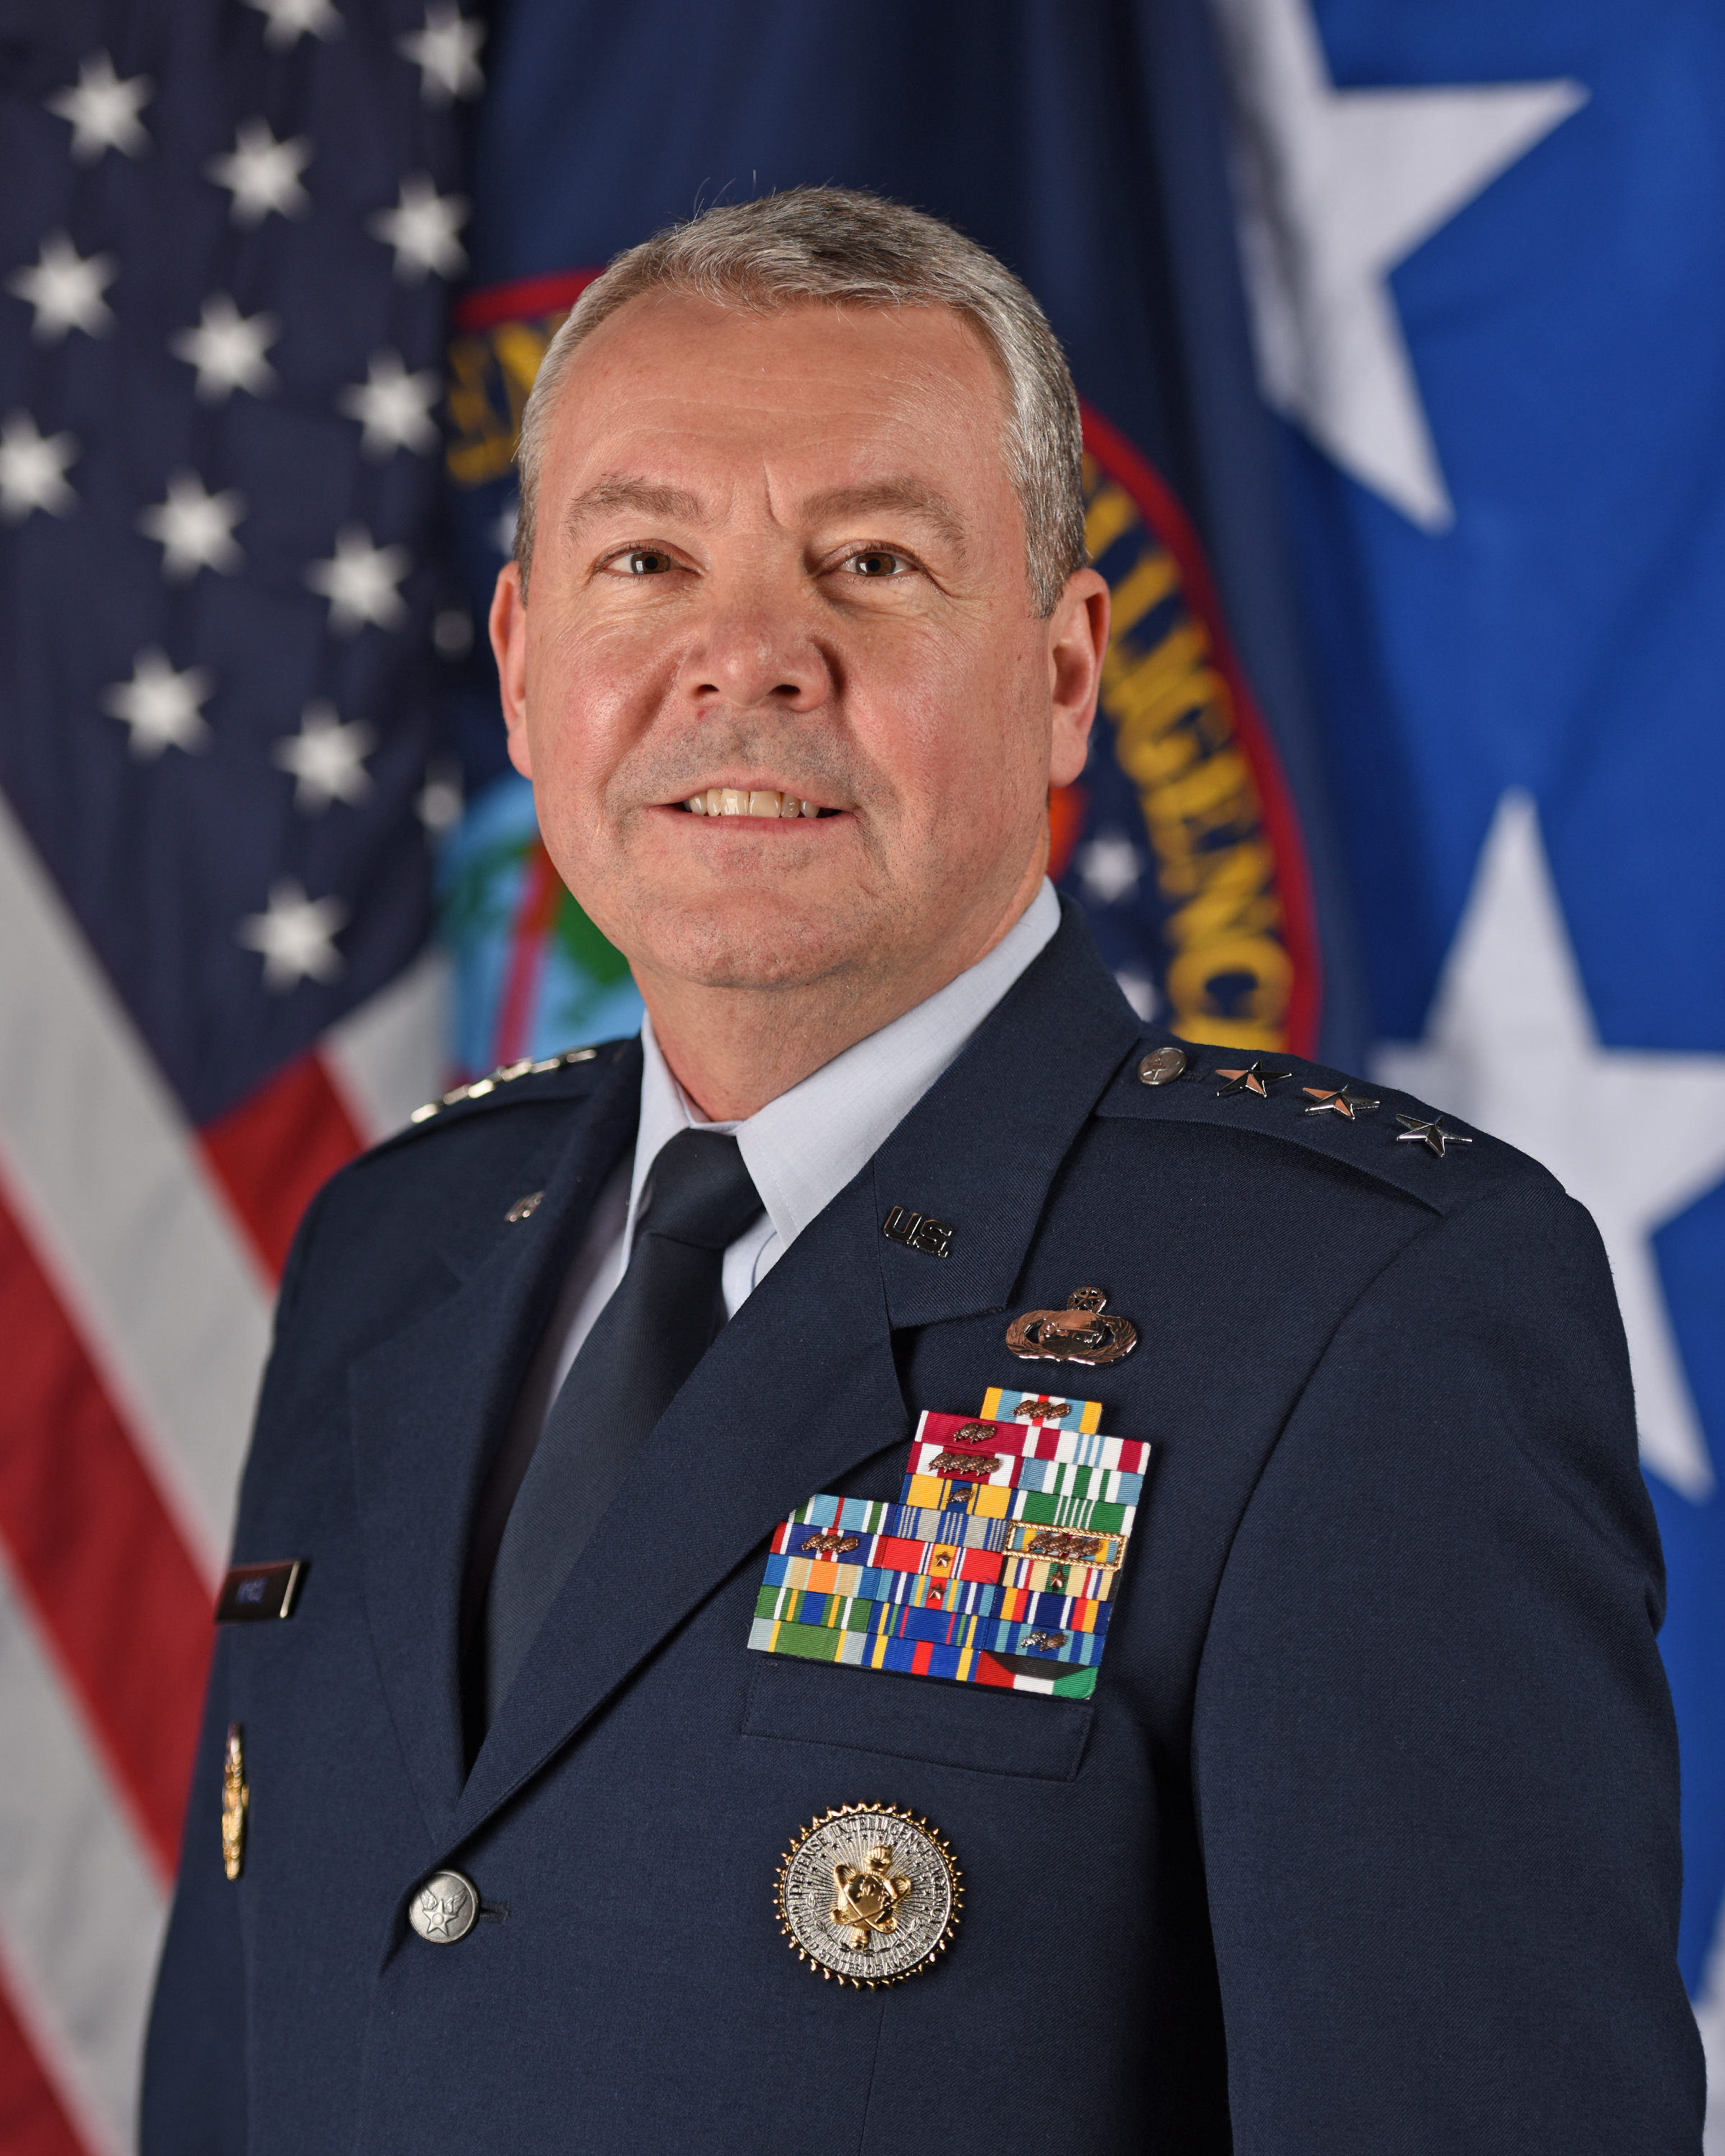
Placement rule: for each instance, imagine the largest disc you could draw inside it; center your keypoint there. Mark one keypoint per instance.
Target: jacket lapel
(801, 1387)
(428, 1407)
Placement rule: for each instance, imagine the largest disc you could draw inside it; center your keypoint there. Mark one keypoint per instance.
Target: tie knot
(702, 1193)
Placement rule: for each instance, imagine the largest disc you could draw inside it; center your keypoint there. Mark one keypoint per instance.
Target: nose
(757, 647)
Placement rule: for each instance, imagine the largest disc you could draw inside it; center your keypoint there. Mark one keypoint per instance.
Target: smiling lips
(734, 800)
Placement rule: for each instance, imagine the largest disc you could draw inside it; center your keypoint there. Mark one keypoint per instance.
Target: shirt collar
(804, 1147)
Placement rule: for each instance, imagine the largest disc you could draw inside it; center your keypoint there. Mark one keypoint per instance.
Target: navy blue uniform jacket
(1367, 1842)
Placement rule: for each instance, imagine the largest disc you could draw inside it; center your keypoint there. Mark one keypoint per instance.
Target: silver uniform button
(1162, 1067)
(445, 1909)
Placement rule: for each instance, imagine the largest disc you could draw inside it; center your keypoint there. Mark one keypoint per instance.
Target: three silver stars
(227, 348)
(104, 111)
(33, 469)
(65, 289)
(162, 707)
(194, 528)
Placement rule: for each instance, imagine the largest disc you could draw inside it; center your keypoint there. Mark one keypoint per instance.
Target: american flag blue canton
(225, 236)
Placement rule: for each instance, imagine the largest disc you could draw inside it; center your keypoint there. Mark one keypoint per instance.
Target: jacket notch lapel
(428, 1406)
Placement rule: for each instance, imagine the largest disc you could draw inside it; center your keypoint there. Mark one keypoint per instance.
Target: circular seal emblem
(868, 1894)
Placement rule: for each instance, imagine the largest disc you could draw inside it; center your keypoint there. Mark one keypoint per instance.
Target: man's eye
(876, 562)
(645, 561)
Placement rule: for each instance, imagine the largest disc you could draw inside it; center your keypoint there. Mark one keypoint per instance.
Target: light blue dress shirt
(801, 1149)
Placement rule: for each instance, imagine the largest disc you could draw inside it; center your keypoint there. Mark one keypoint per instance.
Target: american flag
(225, 238)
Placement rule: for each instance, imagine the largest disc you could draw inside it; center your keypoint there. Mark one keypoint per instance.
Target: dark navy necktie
(644, 1342)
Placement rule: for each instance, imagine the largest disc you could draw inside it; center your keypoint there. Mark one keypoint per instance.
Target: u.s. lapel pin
(1079, 1333)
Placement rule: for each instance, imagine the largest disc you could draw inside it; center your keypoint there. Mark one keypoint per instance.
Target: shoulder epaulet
(1425, 1153)
(557, 1077)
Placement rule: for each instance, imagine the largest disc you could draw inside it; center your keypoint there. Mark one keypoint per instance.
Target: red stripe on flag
(96, 1553)
(535, 912)
(32, 2121)
(276, 1150)
(520, 301)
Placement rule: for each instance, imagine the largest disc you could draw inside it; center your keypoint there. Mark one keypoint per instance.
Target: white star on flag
(359, 580)
(65, 288)
(291, 20)
(1110, 867)
(446, 53)
(262, 174)
(104, 111)
(1637, 1135)
(162, 707)
(439, 803)
(1336, 187)
(326, 758)
(33, 469)
(228, 349)
(194, 528)
(393, 405)
(296, 934)
(422, 229)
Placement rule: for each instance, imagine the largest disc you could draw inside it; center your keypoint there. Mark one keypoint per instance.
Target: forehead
(815, 392)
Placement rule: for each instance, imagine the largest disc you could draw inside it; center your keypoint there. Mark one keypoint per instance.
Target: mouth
(768, 802)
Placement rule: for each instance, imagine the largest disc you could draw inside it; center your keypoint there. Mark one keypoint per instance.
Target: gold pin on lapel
(236, 1797)
(1079, 1333)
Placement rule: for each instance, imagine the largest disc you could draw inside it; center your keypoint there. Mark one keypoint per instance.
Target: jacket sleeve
(1434, 1759)
(194, 2098)
(194, 2084)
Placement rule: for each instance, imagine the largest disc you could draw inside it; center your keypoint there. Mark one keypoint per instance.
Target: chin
(746, 943)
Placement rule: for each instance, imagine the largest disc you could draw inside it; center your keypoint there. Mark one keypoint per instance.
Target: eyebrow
(891, 496)
(671, 504)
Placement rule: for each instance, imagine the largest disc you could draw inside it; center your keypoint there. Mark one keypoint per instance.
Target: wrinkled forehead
(672, 368)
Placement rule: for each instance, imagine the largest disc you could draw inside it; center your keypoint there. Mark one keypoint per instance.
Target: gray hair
(836, 244)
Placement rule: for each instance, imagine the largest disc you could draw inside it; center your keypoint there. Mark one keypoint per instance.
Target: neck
(734, 1050)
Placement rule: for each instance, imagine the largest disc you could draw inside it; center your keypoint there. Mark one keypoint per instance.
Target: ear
(509, 645)
(1077, 643)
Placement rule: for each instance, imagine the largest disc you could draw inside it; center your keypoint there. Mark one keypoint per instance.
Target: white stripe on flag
(392, 1052)
(115, 1199)
(81, 1914)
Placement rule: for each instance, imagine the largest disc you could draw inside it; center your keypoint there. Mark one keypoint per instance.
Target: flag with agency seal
(1483, 246)
(1086, 149)
(225, 238)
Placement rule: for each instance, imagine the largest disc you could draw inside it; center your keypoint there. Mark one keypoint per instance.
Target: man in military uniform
(548, 1818)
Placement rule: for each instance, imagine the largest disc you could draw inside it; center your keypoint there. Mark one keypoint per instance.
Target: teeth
(738, 801)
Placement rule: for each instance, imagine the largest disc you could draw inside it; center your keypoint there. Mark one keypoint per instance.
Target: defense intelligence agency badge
(869, 1895)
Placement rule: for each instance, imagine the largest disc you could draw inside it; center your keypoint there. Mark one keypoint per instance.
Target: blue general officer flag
(1086, 147)
(1484, 247)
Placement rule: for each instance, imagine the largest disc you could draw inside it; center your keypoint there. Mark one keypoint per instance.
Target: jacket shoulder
(1320, 1114)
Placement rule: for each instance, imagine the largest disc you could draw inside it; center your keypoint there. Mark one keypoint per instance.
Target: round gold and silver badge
(868, 1894)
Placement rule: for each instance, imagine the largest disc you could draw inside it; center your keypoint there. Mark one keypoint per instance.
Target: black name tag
(252, 1593)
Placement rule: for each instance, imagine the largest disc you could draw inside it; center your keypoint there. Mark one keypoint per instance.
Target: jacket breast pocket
(904, 1718)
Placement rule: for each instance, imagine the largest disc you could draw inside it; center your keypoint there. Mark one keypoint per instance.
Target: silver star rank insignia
(1254, 1079)
(1430, 1133)
(1340, 1100)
